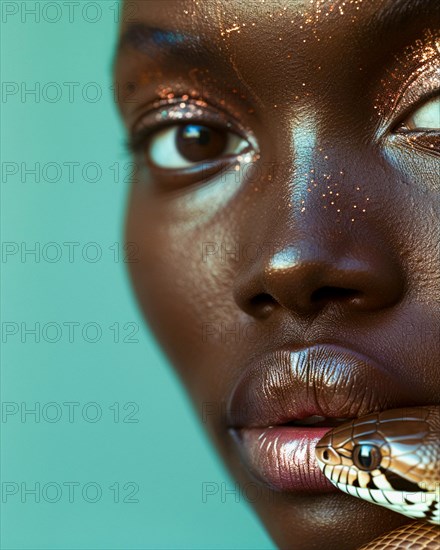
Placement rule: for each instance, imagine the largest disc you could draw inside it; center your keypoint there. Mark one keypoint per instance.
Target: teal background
(169, 461)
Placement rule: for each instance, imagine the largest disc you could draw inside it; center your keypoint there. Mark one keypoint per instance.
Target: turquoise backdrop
(84, 463)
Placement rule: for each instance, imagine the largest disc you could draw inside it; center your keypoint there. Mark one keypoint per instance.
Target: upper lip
(325, 380)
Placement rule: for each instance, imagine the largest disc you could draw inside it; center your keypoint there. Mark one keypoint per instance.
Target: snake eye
(366, 457)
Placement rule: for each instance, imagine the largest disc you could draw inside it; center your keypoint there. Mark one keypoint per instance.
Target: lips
(283, 405)
(316, 421)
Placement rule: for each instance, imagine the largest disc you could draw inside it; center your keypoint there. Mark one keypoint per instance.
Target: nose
(316, 262)
(304, 278)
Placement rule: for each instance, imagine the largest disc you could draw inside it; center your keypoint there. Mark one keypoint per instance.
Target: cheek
(417, 181)
(183, 285)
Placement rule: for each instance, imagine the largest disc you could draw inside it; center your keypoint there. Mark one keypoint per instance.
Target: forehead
(263, 44)
(237, 12)
(246, 21)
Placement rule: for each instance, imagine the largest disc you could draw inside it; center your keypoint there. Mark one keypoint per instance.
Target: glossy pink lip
(284, 457)
(286, 386)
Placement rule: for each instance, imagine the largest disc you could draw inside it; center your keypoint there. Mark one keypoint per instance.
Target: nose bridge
(330, 243)
(330, 199)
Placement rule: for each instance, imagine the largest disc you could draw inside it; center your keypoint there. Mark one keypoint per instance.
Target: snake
(392, 459)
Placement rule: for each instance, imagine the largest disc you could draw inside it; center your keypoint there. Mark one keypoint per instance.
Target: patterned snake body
(392, 459)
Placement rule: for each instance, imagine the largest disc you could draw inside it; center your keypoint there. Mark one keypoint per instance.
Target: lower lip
(283, 457)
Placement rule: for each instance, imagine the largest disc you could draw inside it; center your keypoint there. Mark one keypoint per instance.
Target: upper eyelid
(163, 113)
(404, 102)
(179, 110)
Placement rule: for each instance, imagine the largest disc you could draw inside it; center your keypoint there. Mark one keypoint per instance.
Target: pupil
(197, 143)
(366, 457)
(199, 134)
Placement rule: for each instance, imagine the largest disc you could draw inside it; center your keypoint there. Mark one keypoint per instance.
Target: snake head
(347, 458)
(389, 458)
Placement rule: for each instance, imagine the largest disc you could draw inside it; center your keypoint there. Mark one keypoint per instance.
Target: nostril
(262, 303)
(327, 293)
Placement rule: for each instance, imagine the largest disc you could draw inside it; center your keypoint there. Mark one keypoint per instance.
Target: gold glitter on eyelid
(169, 109)
(415, 74)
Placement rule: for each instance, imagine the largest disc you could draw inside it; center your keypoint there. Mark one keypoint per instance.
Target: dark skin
(318, 91)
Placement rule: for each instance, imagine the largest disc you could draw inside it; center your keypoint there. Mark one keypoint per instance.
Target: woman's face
(286, 212)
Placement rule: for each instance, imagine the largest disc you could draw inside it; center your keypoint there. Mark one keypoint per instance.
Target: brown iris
(197, 143)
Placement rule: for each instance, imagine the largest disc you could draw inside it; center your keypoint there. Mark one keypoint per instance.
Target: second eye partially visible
(408, 100)
(424, 119)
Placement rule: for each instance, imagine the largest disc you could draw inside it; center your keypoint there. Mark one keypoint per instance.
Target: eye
(424, 119)
(185, 141)
(183, 146)
(366, 457)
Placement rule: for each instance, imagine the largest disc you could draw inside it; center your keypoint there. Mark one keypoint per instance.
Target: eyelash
(167, 113)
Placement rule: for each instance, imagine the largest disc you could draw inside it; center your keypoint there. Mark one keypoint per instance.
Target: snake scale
(392, 459)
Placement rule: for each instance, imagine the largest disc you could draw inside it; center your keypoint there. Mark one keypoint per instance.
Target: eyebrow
(177, 48)
(152, 40)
